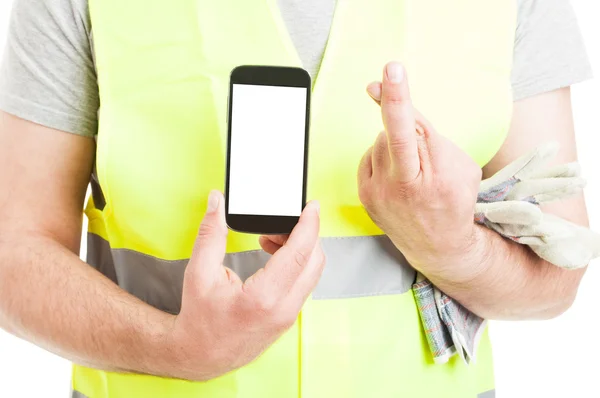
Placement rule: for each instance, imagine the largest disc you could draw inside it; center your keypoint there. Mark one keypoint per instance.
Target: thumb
(211, 242)
(399, 121)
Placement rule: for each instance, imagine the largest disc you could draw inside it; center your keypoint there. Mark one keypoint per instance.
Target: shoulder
(549, 50)
(48, 74)
(65, 15)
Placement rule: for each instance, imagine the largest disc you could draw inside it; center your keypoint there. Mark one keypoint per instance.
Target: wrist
(161, 350)
(186, 355)
(458, 263)
(475, 259)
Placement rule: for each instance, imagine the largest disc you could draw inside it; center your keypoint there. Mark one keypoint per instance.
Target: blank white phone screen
(266, 170)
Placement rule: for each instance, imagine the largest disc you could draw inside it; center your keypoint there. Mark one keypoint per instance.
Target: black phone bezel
(266, 76)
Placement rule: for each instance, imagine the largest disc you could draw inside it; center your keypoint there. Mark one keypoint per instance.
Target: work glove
(527, 179)
(508, 203)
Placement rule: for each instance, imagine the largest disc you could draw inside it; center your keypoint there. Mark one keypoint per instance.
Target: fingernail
(213, 202)
(395, 72)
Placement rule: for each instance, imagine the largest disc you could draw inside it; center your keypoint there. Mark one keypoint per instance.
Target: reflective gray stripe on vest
(356, 267)
(77, 394)
(487, 394)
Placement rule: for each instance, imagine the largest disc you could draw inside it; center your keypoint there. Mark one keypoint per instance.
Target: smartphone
(267, 148)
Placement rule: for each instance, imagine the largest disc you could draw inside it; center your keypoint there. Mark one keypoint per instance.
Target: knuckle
(393, 97)
(380, 153)
(398, 145)
(300, 258)
(208, 229)
(381, 140)
(402, 191)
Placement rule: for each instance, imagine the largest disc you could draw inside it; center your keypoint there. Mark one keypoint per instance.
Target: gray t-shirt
(48, 75)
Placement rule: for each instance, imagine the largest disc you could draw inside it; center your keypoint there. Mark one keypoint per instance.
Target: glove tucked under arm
(508, 203)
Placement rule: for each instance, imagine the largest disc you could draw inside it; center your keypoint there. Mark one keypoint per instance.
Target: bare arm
(421, 190)
(514, 282)
(47, 294)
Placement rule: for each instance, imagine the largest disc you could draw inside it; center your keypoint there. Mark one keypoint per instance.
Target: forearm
(511, 281)
(49, 297)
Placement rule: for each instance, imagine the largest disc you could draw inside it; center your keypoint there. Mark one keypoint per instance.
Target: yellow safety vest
(163, 70)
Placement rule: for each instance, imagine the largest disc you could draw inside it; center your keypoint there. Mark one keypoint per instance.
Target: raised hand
(416, 185)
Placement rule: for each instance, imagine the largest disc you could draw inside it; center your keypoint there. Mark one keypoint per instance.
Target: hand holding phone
(225, 323)
(267, 150)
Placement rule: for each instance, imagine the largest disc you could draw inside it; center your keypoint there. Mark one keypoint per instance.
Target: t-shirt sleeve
(549, 50)
(47, 75)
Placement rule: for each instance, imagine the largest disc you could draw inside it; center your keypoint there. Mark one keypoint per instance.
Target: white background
(552, 359)
(267, 150)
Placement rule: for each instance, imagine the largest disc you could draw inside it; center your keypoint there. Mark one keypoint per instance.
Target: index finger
(283, 270)
(399, 121)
